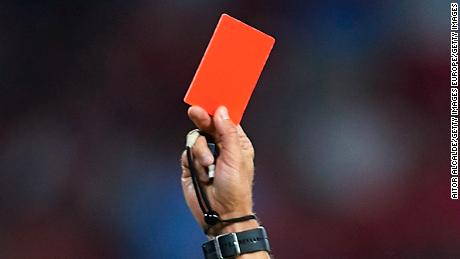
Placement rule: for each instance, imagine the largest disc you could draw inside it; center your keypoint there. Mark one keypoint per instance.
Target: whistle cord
(200, 193)
(211, 217)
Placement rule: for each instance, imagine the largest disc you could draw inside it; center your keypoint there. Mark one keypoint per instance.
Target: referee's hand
(230, 194)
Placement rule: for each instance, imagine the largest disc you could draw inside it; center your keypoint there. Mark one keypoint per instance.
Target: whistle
(192, 137)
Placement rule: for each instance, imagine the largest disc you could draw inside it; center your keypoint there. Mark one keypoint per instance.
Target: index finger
(201, 119)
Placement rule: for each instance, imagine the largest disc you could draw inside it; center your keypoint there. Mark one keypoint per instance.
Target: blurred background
(349, 121)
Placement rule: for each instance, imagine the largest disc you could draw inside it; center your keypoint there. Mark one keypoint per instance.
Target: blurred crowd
(349, 123)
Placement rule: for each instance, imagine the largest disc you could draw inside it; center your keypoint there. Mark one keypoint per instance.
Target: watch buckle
(234, 241)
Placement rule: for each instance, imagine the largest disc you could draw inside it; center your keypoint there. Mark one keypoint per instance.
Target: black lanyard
(211, 217)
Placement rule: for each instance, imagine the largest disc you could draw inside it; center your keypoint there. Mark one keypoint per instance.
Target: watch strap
(233, 244)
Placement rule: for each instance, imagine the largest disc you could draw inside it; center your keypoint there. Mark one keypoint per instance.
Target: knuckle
(183, 159)
(232, 130)
(252, 153)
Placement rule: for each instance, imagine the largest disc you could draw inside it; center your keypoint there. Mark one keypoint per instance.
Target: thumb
(226, 132)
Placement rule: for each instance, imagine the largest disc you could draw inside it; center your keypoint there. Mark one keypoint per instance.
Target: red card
(230, 68)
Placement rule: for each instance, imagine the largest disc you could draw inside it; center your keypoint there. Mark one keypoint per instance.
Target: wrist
(235, 221)
(235, 227)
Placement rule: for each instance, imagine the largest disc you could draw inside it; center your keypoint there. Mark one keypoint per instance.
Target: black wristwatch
(231, 245)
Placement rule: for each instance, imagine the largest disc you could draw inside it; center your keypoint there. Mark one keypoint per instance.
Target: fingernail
(224, 113)
(208, 159)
